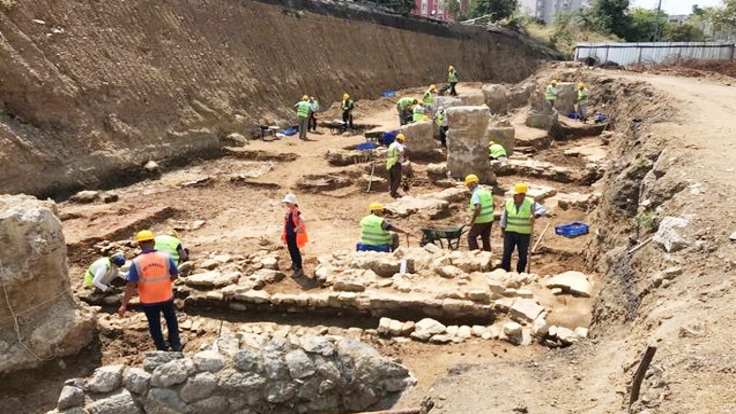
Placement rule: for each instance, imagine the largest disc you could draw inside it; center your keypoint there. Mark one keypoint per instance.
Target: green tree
(685, 32)
(498, 9)
(645, 25)
(725, 17)
(453, 6)
(697, 10)
(610, 16)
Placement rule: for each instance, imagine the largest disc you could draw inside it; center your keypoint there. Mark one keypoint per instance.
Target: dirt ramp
(91, 91)
(38, 318)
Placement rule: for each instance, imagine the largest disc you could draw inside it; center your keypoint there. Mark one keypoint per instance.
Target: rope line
(16, 324)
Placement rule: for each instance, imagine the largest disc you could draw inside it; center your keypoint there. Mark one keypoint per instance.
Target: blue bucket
(570, 230)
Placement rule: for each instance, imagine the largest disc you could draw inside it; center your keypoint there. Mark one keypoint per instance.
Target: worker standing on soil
(152, 273)
(173, 247)
(418, 113)
(582, 102)
(376, 233)
(313, 108)
(440, 119)
(517, 225)
(302, 113)
(103, 271)
(452, 79)
(394, 158)
(496, 151)
(550, 96)
(481, 209)
(428, 98)
(403, 107)
(347, 107)
(294, 233)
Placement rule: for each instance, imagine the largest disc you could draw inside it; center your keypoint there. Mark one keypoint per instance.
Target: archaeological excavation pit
(425, 325)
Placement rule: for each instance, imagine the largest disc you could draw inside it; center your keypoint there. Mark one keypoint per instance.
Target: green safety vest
(168, 244)
(583, 96)
(519, 221)
(303, 108)
(405, 103)
(428, 98)
(418, 113)
(486, 206)
(452, 76)
(550, 94)
(439, 119)
(89, 277)
(392, 156)
(347, 105)
(372, 232)
(496, 151)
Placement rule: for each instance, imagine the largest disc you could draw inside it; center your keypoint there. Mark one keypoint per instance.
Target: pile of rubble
(247, 373)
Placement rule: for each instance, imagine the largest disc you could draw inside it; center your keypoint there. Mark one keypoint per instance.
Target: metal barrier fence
(653, 53)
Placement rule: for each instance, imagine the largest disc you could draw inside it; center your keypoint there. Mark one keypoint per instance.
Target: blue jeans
(153, 314)
(385, 248)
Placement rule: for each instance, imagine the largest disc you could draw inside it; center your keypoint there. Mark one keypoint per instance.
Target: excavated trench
(571, 172)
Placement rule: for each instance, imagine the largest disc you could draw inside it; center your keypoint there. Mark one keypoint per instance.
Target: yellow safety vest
(550, 94)
(519, 220)
(372, 232)
(392, 156)
(486, 206)
(302, 109)
(168, 244)
(428, 98)
(496, 151)
(89, 276)
(583, 96)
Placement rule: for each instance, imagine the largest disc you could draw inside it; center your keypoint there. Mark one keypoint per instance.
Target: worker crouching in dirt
(294, 233)
(517, 225)
(103, 271)
(394, 159)
(376, 234)
(481, 214)
(152, 274)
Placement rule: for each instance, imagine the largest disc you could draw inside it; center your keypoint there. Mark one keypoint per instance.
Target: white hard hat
(289, 198)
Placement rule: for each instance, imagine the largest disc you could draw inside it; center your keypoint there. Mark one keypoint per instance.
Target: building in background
(546, 10)
(432, 9)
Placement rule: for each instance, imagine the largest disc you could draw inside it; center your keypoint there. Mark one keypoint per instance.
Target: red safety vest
(301, 229)
(154, 278)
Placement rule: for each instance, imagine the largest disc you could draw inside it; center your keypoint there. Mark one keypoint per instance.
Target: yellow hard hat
(305, 98)
(432, 87)
(144, 235)
(491, 143)
(554, 81)
(471, 179)
(521, 188)
(375, 207)
(401, 137)
(450, 67)
(345, 96)
(581, 85)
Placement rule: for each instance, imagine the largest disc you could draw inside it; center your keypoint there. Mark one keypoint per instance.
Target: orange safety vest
(154, 278)
(301, 229)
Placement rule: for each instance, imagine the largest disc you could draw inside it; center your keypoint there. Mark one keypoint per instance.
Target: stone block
(496, 97)
(572, 282)
(467, 146)
(542, 120)
(505, 136)
(420, 140)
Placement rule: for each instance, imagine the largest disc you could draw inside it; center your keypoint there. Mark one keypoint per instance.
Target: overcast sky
(675, 6)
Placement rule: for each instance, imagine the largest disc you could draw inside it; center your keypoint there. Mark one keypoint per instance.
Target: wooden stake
(640, 372)
(541, 237)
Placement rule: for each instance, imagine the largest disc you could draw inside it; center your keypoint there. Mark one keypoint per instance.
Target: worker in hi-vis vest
(481, 214)
(103, 271)
(517, 224)
(152, 274)
(394, 158)
(377, 234)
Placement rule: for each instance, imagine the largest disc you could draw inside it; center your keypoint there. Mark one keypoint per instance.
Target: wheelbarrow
(450, 234)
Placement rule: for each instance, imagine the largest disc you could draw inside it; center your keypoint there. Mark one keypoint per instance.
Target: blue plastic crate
(389, 137)
(389, 93)
(366, 146)
(570, 230)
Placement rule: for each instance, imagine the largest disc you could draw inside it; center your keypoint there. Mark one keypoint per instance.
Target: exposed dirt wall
(89, 91)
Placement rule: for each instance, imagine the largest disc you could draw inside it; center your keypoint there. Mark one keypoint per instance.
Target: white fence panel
(653, 53)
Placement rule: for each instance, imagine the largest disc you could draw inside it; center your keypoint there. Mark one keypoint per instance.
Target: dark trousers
(312, 124)
(405, 117)
(453, 92)
(484, 231)
(519, 241)
(394, 179)
(296, 255)
(153, 314)
(347, 119)
(443, 136)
